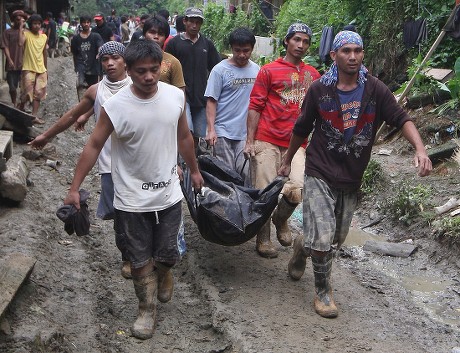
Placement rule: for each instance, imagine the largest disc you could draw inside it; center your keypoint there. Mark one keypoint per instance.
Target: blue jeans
(196, 120)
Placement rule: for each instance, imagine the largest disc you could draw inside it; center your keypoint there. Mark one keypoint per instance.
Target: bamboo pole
(424, 61)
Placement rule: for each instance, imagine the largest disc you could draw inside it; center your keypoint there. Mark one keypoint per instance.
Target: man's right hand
(285, 168)
(249, 150)
(39, 142)
(211, 137)
(73, 198)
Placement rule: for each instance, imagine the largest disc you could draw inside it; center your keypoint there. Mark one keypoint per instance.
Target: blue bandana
(342, 38)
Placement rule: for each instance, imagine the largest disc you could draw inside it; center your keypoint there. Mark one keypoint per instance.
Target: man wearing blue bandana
(344, 110)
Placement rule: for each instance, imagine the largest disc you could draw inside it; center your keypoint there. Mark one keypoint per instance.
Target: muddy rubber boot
(280, 219)
(264, 246)
(324, 301)
(146, 292)
(165, 282)
(126, 270)
(298, 261)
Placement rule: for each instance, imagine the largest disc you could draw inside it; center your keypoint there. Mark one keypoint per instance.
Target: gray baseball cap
(194, 12)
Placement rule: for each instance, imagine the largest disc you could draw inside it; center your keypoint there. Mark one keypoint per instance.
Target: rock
(31, 154)
(13, 181)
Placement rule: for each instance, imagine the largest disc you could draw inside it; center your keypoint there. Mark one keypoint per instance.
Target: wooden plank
(14, 270)
(16, 116)
(444, 151)
(6, 148)
(6, 144)
(441, 75)
(391, 249)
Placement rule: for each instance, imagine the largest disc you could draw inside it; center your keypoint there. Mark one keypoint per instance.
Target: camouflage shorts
(327, 214)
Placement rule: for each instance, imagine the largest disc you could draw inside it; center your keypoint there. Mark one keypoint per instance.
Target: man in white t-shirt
(147, 201)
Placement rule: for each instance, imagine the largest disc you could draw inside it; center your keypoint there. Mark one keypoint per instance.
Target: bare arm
(252, 123)
(82, 120)
(88, 157)
(187, 151)
(421, 159)
(211, 109)
(294, 144)
(22, 38)
(6, 50)
(70, 117)
(45, 56)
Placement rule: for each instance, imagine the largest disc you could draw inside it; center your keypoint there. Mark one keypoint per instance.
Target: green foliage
(409, 203)
(453, 87)
(219, 23)
(422, 83)
(315, 13)
(373, 175)
(451, 226)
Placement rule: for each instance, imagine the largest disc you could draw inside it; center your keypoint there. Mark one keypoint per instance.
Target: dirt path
(226, 299)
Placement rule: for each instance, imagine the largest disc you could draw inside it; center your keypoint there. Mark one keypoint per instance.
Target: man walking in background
(198, 56)
(34, 77)
(84, 47)
(228, 90)
(102, 29)
(13, 53)
(156, 28)
(51, 33)
(274, 107)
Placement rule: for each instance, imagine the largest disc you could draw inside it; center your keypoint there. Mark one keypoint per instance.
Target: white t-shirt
(105, 90)
(144, 148)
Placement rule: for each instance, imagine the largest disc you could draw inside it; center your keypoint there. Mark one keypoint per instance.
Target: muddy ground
(226, 299)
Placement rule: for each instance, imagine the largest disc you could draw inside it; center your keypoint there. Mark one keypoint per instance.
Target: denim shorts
(141, 236)
(105, 208)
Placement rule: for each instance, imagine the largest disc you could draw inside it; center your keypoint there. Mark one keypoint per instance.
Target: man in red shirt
(274, 106)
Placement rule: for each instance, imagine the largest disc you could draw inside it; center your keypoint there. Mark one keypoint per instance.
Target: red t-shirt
(277, 95)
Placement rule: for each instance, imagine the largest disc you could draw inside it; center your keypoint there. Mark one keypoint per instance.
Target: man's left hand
(423, 163)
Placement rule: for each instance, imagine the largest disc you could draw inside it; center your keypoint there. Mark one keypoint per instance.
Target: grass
(372, 177)
(409, 204)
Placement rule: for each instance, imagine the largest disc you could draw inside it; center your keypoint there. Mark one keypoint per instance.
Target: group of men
(263, 114)
(25, 46)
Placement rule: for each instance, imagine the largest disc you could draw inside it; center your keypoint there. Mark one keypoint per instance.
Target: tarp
(226, 212)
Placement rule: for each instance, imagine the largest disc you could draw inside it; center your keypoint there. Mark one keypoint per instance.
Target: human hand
(285, 169)
(423, 163)
(39, 142)
(197, 181)
(211, 137)
(80, 123)
(73, 198)
(249, 150)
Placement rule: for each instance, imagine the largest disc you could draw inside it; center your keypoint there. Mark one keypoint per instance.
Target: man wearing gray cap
(198, 56)
(273, 109)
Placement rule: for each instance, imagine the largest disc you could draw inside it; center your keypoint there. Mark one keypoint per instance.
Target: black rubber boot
(298, 261)
(280, 219)
(324, 301)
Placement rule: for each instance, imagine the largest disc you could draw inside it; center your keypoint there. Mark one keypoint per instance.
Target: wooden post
(424, 61)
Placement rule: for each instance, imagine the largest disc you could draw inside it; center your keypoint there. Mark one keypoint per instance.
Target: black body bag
(226, 212)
